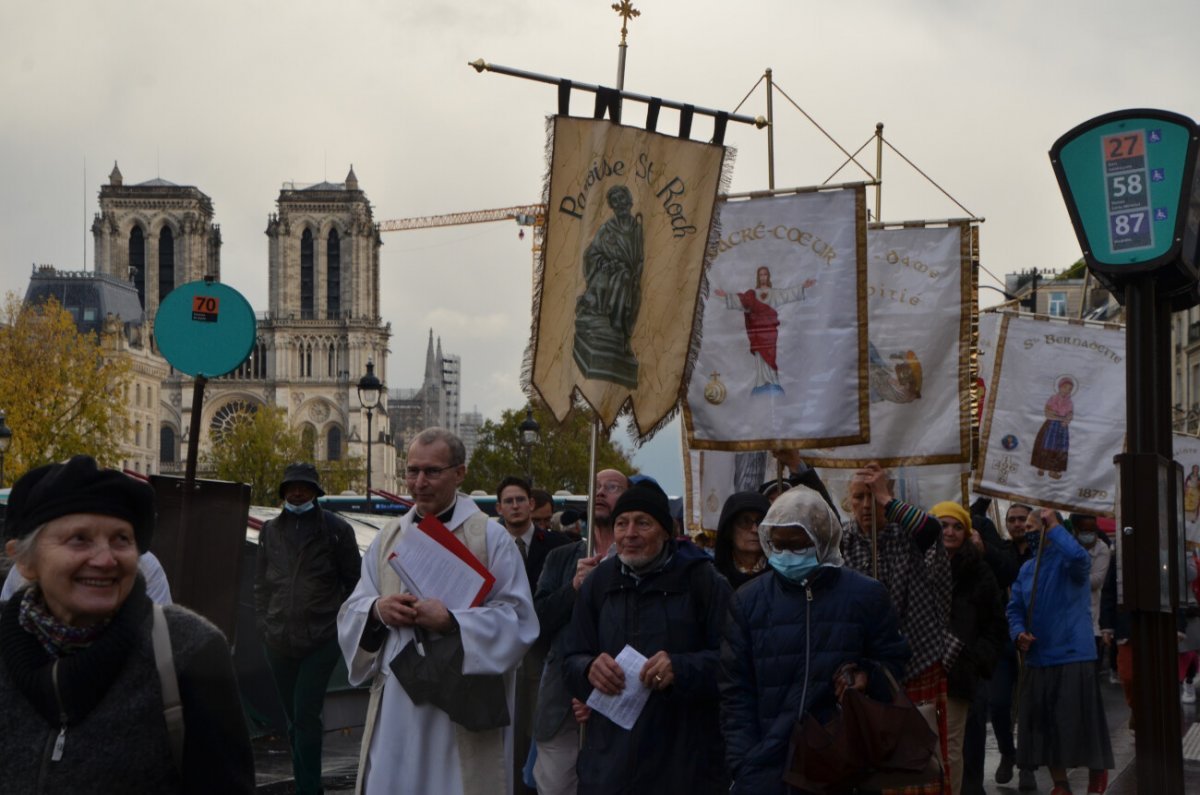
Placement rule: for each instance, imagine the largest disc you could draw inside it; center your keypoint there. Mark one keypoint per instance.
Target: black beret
(79, 486)
(648, 498)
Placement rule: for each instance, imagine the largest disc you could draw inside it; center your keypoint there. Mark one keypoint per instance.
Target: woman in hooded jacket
(738, 553)
(797, 637)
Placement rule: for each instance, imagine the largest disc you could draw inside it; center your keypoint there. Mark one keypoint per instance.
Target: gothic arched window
(137, 262)
(333, 277)
(306, 275)
(166, 444)
(229, 415)
(333, 444)
(166, 262)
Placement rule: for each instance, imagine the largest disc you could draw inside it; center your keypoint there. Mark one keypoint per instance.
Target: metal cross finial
(627, 11)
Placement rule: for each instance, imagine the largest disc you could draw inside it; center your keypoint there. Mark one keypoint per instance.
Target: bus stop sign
(1129, 180)
(205, 329)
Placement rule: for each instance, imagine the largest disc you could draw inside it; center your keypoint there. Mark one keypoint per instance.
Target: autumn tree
(61, 395)
(559, 460)
(256, 447)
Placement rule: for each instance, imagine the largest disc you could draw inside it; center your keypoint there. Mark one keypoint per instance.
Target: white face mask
(303, 507)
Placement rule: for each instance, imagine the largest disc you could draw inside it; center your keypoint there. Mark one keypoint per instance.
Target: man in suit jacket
(514, 503)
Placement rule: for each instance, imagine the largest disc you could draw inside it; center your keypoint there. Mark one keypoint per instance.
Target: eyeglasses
(610, 487)
(430, 473)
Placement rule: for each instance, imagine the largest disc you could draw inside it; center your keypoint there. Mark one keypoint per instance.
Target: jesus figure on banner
(762, 324)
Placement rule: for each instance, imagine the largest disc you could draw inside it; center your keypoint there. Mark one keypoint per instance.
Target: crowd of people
(629, 661)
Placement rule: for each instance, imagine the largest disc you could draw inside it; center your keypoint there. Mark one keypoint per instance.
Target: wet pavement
(340, 758)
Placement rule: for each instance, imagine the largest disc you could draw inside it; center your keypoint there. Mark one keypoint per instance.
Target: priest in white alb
(408, 747)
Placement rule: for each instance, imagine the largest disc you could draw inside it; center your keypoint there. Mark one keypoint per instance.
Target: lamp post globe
(370, 390)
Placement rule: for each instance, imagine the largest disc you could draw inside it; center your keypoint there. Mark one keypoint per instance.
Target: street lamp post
(529, 437)
(5, 441)
(370, 389)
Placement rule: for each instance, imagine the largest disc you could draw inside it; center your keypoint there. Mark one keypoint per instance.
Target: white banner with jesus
(1056, 415)
(783, 357)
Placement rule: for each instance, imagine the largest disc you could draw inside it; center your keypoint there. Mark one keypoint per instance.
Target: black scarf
(84, 676)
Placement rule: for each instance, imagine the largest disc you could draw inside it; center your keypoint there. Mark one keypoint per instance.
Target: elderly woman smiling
(81, 698)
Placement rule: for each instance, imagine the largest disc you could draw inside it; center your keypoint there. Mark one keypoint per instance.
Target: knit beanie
(952, 510)
(79, 486)
(647, 498)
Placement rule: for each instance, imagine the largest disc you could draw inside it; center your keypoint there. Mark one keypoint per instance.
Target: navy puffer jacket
(675, 745)
(850, 618)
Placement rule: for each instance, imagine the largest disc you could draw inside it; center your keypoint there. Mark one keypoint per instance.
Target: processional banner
(713, 475)
(920, 302)
(618, 298)
(1187, 455)
(783, 357)
(1056, 415)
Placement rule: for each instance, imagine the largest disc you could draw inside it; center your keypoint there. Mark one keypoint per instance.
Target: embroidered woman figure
(1053, 441)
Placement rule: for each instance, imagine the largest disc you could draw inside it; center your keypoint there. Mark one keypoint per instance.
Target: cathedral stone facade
(320, 330)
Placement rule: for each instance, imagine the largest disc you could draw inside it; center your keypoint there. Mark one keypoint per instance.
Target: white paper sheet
(624, 708)
(431, 571)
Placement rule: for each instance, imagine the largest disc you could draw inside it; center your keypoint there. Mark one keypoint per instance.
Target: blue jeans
(301, 682)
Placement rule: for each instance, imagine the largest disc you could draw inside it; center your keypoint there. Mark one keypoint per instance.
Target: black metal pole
(370, 506)
(1145, 525)
(186, 582)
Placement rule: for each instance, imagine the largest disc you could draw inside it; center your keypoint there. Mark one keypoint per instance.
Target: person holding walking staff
(1061, 721)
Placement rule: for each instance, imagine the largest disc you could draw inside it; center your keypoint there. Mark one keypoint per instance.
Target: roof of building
(157, 182)
(90, 297)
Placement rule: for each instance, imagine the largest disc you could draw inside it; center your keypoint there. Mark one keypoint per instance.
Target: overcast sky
(237, 97)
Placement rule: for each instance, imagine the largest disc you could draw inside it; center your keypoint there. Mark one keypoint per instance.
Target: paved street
(341, 757)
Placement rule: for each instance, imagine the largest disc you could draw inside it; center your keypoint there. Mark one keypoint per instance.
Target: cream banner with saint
(628, 222)
(1056, 415)
(784, 353)
(919, 305)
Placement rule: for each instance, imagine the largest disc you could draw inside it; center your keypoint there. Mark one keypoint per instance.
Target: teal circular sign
(205, 329)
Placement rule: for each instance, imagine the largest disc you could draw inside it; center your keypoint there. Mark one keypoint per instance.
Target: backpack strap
(164, 659)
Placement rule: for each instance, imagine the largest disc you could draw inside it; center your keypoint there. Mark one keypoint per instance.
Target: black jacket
(977, 619)
(307, 565)
(675, 746)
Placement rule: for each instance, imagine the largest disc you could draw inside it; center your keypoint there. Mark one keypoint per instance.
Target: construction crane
(525, 214)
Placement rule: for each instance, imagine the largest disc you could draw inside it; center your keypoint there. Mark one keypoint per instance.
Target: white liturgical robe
(409, 748)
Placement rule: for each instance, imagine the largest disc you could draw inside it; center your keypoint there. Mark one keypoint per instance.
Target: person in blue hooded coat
(664, 598)
(796, 637)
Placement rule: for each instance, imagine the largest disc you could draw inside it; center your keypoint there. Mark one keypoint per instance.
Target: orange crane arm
(532, 211)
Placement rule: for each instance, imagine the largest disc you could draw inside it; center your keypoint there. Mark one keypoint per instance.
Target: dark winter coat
(307, 565)
(977, 619)
(116, 735)
(771, 623)
(675, 746)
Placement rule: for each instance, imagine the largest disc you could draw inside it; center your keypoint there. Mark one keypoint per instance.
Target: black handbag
(430, 671)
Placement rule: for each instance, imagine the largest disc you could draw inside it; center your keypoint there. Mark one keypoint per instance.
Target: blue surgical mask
(303, 507)
(1087, 539)
(795, 566)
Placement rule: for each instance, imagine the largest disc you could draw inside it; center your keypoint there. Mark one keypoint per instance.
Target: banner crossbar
(480, 65)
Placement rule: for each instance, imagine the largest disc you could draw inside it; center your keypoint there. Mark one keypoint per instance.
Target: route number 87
(1125, 224)
(1126, 184)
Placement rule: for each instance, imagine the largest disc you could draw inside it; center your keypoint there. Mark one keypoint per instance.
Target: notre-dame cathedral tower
(321, 327)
